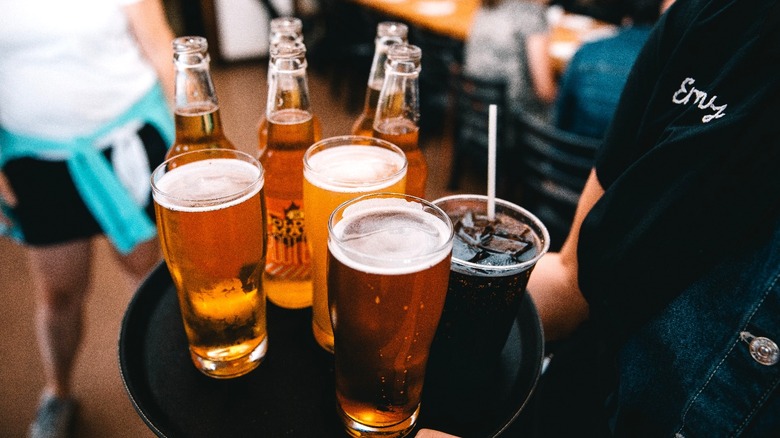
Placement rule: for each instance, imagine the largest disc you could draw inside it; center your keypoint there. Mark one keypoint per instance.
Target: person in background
(591, 85)
(86, 88)
(665, 297)
(508, 41)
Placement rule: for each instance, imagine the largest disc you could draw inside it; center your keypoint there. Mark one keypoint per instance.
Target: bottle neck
(196, 106)
(194, 88)
(198, 126)
(286, 28)
(400, 97)
(288, 86)
(195, 93)
(288, 110)
(197, 110)
(398, 111)
(376, 76)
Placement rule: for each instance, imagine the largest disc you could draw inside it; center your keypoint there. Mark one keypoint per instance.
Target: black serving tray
(291, 394)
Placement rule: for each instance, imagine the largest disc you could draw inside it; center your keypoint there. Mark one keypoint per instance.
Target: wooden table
(451, 18)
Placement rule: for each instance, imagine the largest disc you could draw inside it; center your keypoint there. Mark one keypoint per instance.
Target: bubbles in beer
(504, 241)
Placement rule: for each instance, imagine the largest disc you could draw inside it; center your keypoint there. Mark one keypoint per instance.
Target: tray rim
(160, 278)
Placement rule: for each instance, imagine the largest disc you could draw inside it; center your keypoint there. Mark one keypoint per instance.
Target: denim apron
(708, 366)
(122, 219)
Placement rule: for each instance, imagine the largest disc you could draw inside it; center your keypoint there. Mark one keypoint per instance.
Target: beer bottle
(282, 28)
(387, 34)
(196, 112)
(398, 112)
(287, 278)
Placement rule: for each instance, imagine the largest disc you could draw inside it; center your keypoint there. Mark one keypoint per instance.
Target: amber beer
(196, 112)
(291, 130)
(282, 29)
(210, 210)
(288, 271)
(405, 134)
(389, 261)
(335, 170)
(262, 132)
(198, 128)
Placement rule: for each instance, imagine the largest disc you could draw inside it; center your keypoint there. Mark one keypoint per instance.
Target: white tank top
(67, 67)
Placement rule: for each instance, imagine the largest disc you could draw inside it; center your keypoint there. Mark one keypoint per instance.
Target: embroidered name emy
(687, 90)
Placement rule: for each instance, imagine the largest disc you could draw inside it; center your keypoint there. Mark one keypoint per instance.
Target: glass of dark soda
(491, 263)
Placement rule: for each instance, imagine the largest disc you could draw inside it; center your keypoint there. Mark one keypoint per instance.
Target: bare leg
(142, 260)
(61, 279)
(61, 275)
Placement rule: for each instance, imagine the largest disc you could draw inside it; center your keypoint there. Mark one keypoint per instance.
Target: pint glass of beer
(389, 262)
(211, 221)
(335, 170)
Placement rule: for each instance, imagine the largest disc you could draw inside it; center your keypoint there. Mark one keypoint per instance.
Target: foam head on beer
(354, 169)
(390, 236)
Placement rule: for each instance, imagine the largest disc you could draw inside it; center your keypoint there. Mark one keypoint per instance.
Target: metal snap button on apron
(763, 350)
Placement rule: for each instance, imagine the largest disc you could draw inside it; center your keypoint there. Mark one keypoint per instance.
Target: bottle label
(288, 253)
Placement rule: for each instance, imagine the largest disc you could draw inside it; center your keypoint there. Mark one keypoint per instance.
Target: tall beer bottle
(398, 112)
(196, 112)
(387, 34)
(282, 28)
(287, 278)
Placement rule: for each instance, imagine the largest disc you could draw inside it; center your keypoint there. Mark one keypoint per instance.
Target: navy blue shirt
(594, 78)
(680, 257)
(691, 163)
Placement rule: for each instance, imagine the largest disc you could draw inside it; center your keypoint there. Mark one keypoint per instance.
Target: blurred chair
(441, 57)
(470, 102)
(553, 168)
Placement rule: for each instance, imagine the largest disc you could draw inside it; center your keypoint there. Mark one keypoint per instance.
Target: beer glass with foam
(211, 221)
(389, 262)
(335, 170)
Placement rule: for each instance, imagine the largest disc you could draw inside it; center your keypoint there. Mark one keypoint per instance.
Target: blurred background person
(594, 78)
(85, 113)
(508, 41)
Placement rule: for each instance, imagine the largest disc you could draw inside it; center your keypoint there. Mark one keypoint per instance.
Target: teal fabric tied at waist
(123, 221)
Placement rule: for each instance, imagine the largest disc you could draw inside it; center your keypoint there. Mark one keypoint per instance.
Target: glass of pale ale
(335, 170)
(491, 263)
(389, 263)
(211, 221)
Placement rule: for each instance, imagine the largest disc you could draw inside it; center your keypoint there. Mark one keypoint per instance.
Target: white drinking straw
(491, 183)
